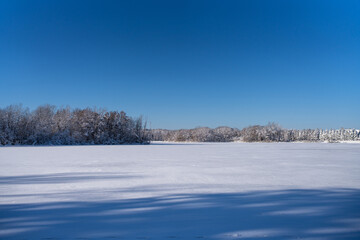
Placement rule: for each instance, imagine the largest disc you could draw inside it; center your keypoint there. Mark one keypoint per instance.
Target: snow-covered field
(181, 191)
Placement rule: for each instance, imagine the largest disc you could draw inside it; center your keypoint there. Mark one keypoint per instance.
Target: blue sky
(183, 64)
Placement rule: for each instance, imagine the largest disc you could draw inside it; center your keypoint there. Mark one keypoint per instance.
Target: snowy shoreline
(178, 143)
(188, 142)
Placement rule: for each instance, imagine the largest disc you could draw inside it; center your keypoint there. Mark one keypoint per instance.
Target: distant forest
(48, 125)
(269, 133)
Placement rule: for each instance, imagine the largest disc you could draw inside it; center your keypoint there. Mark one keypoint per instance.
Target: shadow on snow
(61, 178)
(287, 214)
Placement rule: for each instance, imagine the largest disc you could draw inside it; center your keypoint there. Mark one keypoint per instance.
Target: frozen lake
(181, 191)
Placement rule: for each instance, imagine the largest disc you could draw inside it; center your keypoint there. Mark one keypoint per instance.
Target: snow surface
(181, 191)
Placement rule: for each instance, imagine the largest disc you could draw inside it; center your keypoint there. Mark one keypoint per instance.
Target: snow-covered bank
(240, 141)
(354, 142)
(181, 190)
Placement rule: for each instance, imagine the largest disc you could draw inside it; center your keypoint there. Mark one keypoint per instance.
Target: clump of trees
(201, 134)
(274, 133)
(269, 133)
(48, 125)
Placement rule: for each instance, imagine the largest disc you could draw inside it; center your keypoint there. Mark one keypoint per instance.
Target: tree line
(48, 125)
(269, 133)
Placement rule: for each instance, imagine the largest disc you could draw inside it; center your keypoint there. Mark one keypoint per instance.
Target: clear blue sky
(184, 64)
